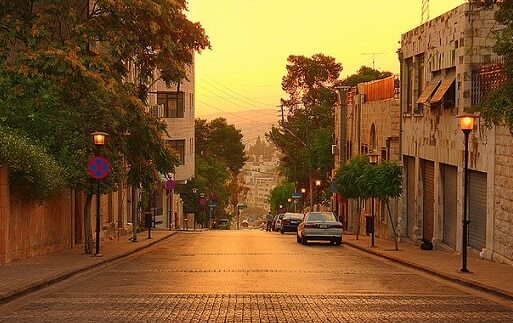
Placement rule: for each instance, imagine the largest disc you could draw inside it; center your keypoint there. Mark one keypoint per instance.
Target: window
(373, 138)
(364, 149)
(384, 155)
(173, 103)
(349, 148)
(409, 84)
(179, 147)
(420, 83)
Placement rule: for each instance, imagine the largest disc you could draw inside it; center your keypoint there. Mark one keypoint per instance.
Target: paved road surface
(253, 276)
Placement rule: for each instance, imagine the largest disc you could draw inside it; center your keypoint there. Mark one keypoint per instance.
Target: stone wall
(503, 202)
(36, 229)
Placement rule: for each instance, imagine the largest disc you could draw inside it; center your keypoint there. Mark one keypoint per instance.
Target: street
(253, 276)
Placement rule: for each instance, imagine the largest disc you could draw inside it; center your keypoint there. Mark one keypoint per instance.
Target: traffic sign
(296, 195)
(212, 204)
(98, 167)
(170, 185)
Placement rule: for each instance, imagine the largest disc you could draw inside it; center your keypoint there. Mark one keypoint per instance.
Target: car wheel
(298, 239)
(282, 232)
(304, 241)
(338, 241)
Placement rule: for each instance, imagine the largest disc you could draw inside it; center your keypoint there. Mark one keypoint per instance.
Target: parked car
(277, 221)
(320, 226)
(290, 222)
(223, 224)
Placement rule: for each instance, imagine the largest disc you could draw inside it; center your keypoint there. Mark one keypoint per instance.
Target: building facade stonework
(439, 60)
(371, 124)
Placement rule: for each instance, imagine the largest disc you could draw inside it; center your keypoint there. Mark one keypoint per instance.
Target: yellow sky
(251, 40)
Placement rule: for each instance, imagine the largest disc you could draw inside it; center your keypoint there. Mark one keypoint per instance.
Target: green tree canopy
(280, 194)
(497, 106)
(64, 75)
(219, 157)
(364, 74)
(304, 136)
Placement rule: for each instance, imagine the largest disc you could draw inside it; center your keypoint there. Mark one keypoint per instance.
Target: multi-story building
(370, 124)
(175, 106)
(260, 177)
(441, 62)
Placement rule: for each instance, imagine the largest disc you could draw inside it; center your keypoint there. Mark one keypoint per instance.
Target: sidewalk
(484, 275)
(29, 275)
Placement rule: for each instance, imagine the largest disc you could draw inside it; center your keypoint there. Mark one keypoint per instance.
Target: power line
(237, 93)
(234, 114)
(230, 101)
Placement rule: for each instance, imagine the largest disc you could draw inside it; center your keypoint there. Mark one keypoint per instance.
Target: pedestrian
(269, 219)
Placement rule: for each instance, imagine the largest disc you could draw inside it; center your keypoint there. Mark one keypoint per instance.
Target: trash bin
(369, 224)
(148, 219)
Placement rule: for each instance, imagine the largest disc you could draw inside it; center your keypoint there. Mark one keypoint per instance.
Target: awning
(424, 97)
(446, 84)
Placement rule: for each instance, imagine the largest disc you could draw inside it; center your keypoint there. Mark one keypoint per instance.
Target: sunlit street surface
(253, 276)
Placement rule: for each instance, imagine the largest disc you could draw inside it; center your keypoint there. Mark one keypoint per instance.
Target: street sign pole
(98, 168)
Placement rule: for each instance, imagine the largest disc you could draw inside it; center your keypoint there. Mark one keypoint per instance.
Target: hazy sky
(251, 40)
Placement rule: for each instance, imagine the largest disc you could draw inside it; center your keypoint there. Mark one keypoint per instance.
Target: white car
(320, 226)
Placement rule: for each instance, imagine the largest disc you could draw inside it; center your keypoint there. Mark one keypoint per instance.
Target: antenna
(424, 11)
(373, 57)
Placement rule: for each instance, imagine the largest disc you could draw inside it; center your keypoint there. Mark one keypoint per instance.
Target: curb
(452, 278)
(11, 295)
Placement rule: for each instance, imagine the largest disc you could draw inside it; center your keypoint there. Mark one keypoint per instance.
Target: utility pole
(424, 15)
(373, 57)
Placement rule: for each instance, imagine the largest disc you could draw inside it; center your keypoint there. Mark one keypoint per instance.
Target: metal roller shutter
(428, 200)
(477, 210)
(450, 198)
(410, 195)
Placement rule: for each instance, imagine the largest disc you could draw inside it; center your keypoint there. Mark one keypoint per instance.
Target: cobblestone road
(253, 276)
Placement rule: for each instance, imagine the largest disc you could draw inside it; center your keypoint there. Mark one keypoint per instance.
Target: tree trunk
(358, 210)
(88, 240)
(393, 225)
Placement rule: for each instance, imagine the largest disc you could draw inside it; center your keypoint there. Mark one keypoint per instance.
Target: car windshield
(321, 217)
(223, 221)
(294, 216)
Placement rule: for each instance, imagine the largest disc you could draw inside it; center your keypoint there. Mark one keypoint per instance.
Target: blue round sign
(98, 167)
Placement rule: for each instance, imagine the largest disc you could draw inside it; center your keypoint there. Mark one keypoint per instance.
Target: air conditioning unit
(157, 110)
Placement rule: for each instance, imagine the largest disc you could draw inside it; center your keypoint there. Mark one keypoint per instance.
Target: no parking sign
(98, 167)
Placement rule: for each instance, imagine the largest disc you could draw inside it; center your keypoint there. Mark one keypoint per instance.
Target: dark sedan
(290, 222)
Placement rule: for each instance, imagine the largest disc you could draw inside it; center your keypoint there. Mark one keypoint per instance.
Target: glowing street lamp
(318, 183)
(99, 141)
(467, 125)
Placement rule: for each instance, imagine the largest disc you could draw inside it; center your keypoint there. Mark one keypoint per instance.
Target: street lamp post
(317, 187)
(99, 141)
(373, 160)
(466, 125)
(303, 192)
(289, 200)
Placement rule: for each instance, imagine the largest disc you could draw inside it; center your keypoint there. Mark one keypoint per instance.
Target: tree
(349, 183)
(303, 135)
(364, 74)
(219, 158)
(497, 106)
(308, 79)
(390, 186)
(280, 194)
(383, 181)
(63, 76)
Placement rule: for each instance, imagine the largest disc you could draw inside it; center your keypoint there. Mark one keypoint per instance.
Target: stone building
(441, 62)
(371, 125)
